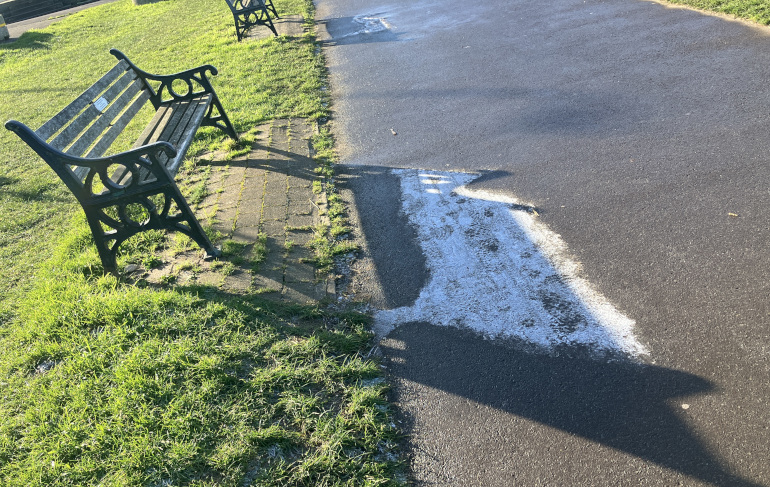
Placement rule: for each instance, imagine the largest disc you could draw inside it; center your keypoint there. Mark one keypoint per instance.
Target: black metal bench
(248, 13)
(116, 191)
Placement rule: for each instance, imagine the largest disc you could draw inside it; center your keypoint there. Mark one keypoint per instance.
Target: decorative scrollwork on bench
(249, 13)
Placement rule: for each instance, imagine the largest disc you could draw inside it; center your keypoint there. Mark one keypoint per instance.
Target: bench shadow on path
(631, 407)
(293, 164)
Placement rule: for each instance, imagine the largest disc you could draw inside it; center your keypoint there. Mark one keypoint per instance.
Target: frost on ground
(367, 24)
(494, 268)
(416, 20)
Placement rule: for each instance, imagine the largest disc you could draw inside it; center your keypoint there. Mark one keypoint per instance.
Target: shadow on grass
(45, 192)
(7, 181)
(31, 40)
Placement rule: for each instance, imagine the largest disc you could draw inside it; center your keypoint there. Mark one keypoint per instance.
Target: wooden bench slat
(80, 172)
(171, 120)
(161, 128)
(91, 113)
(175, 123)
(174, 131)
(185, 131)
(67, 113)
(149, 134)
(117, 127)
(120, 176)
(178, 111)
(167, 117)
(102, 122)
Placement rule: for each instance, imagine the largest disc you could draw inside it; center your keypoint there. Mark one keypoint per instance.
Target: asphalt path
(639, 134)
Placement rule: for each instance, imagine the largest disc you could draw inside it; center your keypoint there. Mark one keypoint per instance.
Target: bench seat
(176, 123)
(75, 141)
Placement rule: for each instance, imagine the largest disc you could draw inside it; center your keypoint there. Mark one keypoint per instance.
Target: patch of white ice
(496, 269)
(369, 25)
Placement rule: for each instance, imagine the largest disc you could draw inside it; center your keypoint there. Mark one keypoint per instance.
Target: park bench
(134, 190)
(248, 13)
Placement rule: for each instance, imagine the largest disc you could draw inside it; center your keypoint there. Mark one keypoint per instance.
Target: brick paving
(264, 207)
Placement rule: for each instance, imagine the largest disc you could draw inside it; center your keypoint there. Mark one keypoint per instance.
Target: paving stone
(274, 244)
(251, 211)
(208, 203)
(274, 213)
(302, 296)
(273, 267)
(299, 199)
(278, 175)
(273, 226)
(274, 196)
(263, 283)
(246, 234)
(224, 220)
(290, 26)
(307, 220)
(229, 199)
(233, 180)
(249, 218)
(299, 178)
(301, 239)
(254, 185)
(216, 178)
(300, 209)
(299, 273)
(265, 192)
(240, 281)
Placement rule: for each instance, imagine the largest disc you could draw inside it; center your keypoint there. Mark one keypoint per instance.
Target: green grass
(107, 383)
(755, 10)
(44, 70)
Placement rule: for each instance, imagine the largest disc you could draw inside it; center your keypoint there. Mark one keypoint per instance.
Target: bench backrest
(91, 123)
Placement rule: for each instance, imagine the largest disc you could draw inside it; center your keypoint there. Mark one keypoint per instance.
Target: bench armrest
(113, 171)
(195, 79)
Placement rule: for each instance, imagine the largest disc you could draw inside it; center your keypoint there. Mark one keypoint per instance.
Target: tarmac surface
(638, 134)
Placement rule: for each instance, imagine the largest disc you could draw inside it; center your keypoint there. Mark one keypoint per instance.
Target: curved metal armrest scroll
(190, 76)
(126, 172)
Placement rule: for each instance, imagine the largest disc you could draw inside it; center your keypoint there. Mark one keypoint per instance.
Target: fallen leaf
(393, 132)
(733, 215)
